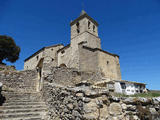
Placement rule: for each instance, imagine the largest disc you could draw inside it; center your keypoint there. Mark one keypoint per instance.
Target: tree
(9, 51)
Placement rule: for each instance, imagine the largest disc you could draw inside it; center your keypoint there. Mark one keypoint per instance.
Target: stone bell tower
(85, 28)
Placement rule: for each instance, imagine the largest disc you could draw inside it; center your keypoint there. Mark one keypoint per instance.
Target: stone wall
(63, 104)
(96, 59)
(49, 54)
(88, 60)
(4, 67)
(19, 81)
(33, 62)
(109, 65)
(66, 57)
(85, 103)
(68, 76)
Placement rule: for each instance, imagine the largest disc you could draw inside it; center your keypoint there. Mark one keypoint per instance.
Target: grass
(150, 94)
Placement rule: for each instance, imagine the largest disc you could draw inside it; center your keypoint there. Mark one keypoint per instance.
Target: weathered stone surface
(67, 76)
(114, 99)
(124, 106)
(79, 95)
(86, 100)
(81, 102)
(115, 109)
(19, 80)
(131, 107)
(62, 102)
(156, 100)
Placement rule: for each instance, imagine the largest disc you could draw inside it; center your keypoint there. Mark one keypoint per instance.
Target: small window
(52, 49)
(136, 86)
(52, 59)
(77, 24)
(62, 51)
(89, 24)
(78, 30)
(107, 62)
(123, 85)
(37, 57)
(93, 28)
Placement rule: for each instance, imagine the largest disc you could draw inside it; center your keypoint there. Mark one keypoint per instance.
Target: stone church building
(83, 53)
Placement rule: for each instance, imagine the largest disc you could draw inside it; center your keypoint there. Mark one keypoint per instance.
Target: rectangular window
(136, 86)
(123, 85)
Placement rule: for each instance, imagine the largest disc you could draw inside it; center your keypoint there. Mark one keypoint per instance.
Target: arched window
(89, 24)
(37, 57)
(93, 28)
(78, 29)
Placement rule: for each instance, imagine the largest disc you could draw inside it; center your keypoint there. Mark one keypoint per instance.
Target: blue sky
(129, 28)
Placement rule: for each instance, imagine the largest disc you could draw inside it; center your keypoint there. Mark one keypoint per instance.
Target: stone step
(22, 106)
(27, 100)
(22, 99)
(21, 116)
(19, 94)
(24, 110)
(16, 115)
(23, 103)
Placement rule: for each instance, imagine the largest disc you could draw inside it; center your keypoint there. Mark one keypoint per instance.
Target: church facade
(83, 53)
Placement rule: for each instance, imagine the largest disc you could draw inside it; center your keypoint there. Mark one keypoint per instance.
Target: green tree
(9, 51)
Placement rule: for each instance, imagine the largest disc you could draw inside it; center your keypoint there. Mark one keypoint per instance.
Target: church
(84, 53)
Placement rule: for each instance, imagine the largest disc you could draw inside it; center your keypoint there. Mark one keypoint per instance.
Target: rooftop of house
(126, 81)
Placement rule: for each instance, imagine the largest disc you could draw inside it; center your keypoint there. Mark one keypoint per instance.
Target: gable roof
(65, 47)
(97, 49)
(126, 81)
(40, 50)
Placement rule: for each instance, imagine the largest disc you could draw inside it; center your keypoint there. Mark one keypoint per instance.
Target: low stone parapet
(85, 103)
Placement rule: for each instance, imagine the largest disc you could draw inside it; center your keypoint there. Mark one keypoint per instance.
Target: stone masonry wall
(85, 103)
(109, 65)
(23, 81)
(63, 104)
(68, 76)
(88, 60)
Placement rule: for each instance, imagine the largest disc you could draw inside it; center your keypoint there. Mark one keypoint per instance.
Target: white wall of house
(118, 88)
(130, 88)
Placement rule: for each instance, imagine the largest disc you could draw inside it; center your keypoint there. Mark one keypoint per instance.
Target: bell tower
(85, 28)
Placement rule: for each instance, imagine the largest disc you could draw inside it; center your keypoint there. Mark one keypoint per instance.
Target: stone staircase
(23, 106)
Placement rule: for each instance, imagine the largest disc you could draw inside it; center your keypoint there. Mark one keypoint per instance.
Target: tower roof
(83, 14)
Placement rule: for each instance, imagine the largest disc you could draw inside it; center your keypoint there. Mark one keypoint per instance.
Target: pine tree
(9, 51)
